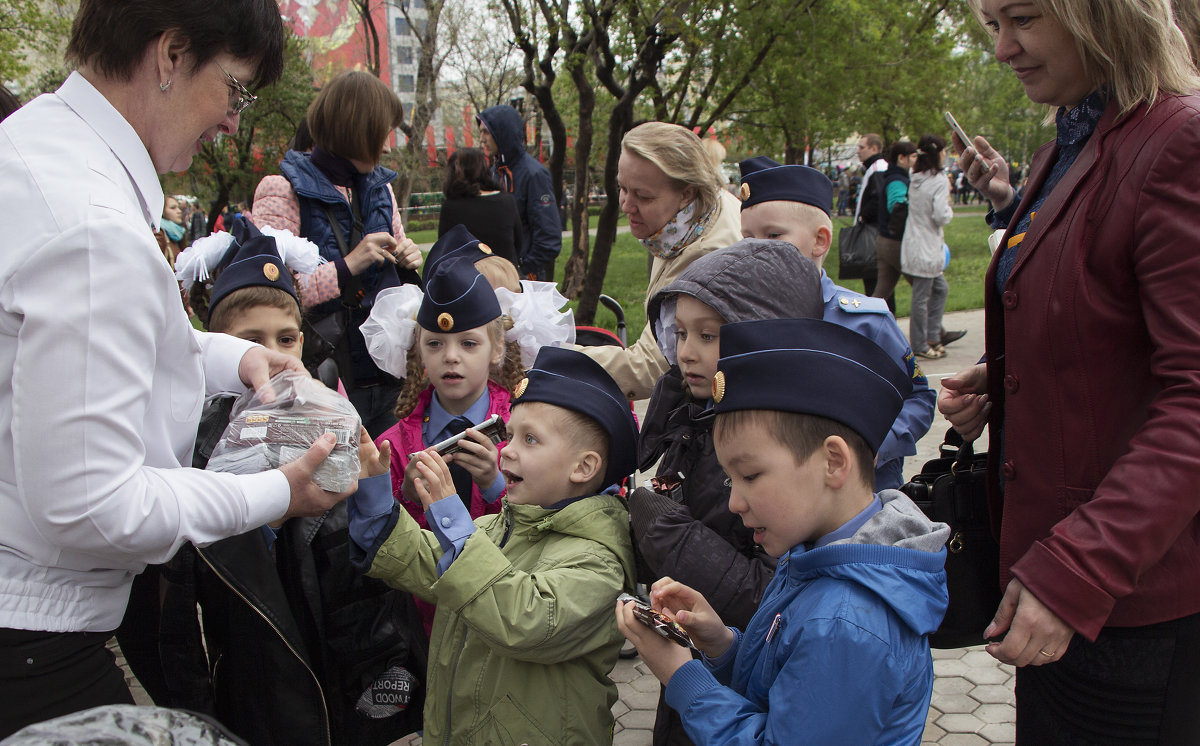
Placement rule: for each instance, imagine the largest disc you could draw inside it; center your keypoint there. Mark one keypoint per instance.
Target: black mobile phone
(493, 427)
(657, 621)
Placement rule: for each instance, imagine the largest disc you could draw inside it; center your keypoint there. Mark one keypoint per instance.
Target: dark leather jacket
(293, 634)
(1093, 350)
(692, 536)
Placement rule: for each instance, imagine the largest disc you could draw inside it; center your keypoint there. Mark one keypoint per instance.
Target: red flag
(431, 146)
(449, 141)
(696, 130)
(712, 133)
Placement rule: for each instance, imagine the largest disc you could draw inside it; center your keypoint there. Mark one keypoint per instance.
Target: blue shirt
(870, 317)
(439, 422)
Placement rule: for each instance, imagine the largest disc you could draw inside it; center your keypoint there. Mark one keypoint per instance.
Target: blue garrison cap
(252, 260)
(813, 367)
(457, 241)
(569, 379)
(457, 298)
(764, 180)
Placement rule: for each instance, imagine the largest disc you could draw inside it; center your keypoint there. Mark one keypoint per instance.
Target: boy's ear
(840, 466)
(824, 241)
(587, 467)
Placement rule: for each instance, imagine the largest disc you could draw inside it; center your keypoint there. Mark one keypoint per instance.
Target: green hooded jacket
(525, 635)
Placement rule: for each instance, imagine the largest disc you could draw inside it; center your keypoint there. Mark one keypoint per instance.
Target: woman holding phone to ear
(1091, 386)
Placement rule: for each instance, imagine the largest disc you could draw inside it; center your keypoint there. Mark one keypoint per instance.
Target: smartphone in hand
(657, 621)
(958, 130)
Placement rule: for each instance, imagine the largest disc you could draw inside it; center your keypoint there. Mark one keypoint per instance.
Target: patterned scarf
(680, 232)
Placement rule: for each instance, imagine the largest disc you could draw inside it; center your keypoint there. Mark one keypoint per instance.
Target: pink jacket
(405, 437)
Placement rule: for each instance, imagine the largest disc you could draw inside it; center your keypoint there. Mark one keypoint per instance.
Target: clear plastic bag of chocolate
(264, 435)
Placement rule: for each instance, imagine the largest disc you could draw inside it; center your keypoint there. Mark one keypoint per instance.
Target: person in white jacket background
(922, 256)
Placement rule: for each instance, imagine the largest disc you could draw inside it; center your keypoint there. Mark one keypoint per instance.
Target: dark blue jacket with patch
(530, 185)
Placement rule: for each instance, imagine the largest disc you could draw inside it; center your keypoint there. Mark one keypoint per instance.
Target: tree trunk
(574, 274)
(606, 225)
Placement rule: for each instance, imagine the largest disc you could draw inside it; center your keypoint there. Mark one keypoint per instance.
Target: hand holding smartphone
(958, 130)
(493, 427)
(657, 621)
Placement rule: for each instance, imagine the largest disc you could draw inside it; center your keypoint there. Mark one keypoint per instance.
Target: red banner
(431, 146)
(449, 141)
(468, 127)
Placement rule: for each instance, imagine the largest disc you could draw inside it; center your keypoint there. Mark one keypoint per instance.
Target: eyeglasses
(243, 94)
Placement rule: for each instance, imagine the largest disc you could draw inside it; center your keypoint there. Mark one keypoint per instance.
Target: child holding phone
(458, 371)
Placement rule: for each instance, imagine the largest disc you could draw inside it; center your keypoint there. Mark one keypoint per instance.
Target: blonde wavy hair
(508, 373)
(679, 154)
(1131, 46)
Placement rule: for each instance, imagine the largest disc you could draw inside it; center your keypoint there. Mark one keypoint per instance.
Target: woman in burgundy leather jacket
(1091, 386)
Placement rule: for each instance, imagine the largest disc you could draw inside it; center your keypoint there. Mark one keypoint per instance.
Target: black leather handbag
(856, 251)
(952, 489)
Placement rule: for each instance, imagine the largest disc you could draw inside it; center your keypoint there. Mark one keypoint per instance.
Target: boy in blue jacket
(838, 650)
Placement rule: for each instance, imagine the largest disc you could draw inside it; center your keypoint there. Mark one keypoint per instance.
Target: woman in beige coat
(672, 194)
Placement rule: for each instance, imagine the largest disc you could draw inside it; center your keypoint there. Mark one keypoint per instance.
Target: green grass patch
(628, 273)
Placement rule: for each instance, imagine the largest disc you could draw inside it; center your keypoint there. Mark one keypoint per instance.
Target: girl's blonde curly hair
(508, 373)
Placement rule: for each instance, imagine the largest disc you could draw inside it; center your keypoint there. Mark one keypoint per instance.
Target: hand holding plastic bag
(263, 436)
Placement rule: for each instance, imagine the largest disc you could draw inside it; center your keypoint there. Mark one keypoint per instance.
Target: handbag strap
(354, 289)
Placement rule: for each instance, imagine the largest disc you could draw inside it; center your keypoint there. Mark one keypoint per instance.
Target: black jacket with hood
(529, 182)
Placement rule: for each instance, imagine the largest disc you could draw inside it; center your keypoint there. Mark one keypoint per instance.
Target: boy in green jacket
(524, 637)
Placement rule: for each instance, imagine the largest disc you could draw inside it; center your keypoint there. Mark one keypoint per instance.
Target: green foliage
(30, 29)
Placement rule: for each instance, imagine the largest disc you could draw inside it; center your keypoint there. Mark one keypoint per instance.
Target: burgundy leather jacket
(1093, 352)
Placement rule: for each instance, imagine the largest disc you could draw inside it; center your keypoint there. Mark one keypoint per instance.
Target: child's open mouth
(511, 479)
(452, 377)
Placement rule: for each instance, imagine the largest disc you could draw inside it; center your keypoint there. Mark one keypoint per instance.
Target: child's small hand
(433, 481)
(693, 612)
(479, 456)
(662, 656)
(372, 460)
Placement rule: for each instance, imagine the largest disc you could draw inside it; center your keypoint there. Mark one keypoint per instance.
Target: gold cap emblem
(744, 192)
(445, 322)
(271, 271)
(718, 386)
(485, 248)
(520, 388)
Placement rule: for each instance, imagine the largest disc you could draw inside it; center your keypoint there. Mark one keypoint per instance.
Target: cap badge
(445, 322)
(271, 272)
(718, 386)
(485, 248)
(744, 192)
(520, 388)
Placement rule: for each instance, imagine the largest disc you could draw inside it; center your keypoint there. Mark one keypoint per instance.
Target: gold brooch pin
(445, 322)
(520, 388)
(718, 386)
(271, 272)
(485, 248)
(744, 192)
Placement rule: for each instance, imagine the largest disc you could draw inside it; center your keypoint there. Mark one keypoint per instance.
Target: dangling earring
(164, 86)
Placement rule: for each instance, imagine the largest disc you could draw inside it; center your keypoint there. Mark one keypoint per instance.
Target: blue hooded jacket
(848, 660)
(531, 186)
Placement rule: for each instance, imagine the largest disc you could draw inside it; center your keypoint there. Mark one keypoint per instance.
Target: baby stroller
(597, 336)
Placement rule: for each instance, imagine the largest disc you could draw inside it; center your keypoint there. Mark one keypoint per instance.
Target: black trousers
(44, 675)
(1134, 685)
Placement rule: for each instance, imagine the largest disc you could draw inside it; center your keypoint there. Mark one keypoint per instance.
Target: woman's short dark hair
(8, 103)
(467, 174)
(112, 35)
(899, 148)
(353, 114)
(929, 153)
